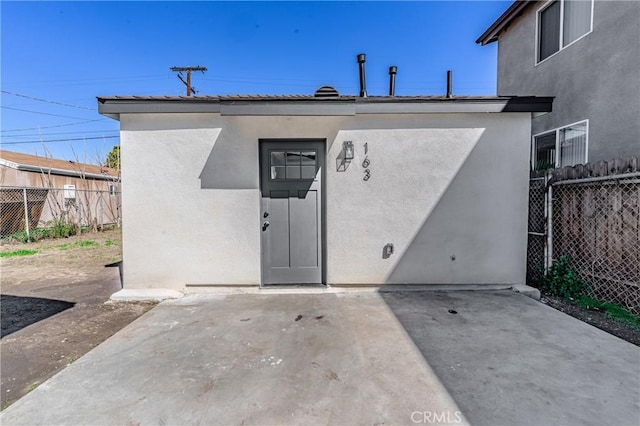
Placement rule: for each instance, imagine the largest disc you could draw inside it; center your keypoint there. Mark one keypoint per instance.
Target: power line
(137, 77)
(46, 100)
(60, 140)
(51, 127)
(38, 112)
(34, 135)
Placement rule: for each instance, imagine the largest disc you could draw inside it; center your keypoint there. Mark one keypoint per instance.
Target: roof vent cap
(326, 92)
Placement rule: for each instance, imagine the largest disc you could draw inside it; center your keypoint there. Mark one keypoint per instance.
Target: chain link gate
(537, 229)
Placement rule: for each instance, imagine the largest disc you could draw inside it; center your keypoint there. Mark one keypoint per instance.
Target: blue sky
(70, 52)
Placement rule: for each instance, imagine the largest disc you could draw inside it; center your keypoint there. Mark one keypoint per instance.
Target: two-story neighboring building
(586, 53)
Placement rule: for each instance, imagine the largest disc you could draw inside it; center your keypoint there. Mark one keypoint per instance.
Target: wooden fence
(594, 219)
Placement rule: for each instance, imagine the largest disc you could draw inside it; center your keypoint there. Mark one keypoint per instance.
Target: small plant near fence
(585, 217)
(64, 229)
(611, 310)
(54, 229)
(562, 280)
(32, 214)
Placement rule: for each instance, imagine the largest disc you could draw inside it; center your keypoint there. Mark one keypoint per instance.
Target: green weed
(562, 280)
(35, 234)
(612, 310)
(109, 243)
(87, 243)
(32, 387)
(63, 229)
(16, 253)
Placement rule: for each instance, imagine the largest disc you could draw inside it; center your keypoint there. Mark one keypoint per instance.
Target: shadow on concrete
(18, 312)
(119, 266)
(508, 359)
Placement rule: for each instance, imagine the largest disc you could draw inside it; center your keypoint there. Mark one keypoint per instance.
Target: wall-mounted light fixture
(348, 150)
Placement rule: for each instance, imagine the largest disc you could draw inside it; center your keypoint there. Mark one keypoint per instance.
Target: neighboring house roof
(502, 23)
(34, 163)
(113, 106)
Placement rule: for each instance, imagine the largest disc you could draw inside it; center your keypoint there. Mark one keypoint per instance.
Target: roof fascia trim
(346, 107)
(8, 163)
(289, 108)
(113, 108)
(429, 107)
(512, 12)
(62, 172)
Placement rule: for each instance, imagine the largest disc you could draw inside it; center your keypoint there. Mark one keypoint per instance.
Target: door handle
(265, 225)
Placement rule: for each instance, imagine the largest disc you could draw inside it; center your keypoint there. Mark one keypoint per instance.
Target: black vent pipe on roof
(449, 84)
(363, 83)
(393, 70)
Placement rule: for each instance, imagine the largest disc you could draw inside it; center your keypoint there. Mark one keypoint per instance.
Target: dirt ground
(595, 318)
(55, 308)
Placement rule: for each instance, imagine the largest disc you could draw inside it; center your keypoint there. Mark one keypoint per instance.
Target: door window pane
(277, 158)
(293, 165)
(293, 172)
(293, 157)
(308, 158)
(308, 172)
(277, 172)
(549, 31)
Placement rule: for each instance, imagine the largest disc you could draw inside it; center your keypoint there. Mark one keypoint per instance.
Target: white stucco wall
(442, 187)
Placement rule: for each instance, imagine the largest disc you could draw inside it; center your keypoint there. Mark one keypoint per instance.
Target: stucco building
(587, 55)
(249, 191)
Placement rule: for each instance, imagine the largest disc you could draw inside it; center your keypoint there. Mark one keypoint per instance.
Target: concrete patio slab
(487, 357)
(248, 359)
(509, 360)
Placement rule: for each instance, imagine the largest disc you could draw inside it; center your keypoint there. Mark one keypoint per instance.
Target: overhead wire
(35, 135)
(46, 100)
(39, 112)
(51, 127)
(59, 140)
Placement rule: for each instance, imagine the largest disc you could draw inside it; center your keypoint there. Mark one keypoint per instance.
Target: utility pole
(187, 83)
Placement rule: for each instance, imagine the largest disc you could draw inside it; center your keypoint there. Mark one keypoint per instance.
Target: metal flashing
(297, 105)
(293, 108)
(62, 172)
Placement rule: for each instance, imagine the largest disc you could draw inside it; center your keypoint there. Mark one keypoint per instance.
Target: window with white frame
(560, 23)
(565, 146)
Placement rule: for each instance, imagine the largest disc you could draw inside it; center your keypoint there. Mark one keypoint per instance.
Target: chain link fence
(25, 210)
(594, 222)
(536, 238)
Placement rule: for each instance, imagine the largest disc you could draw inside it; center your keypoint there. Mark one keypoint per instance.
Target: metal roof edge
(305, 106)
(8, 163)
(62, 172)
